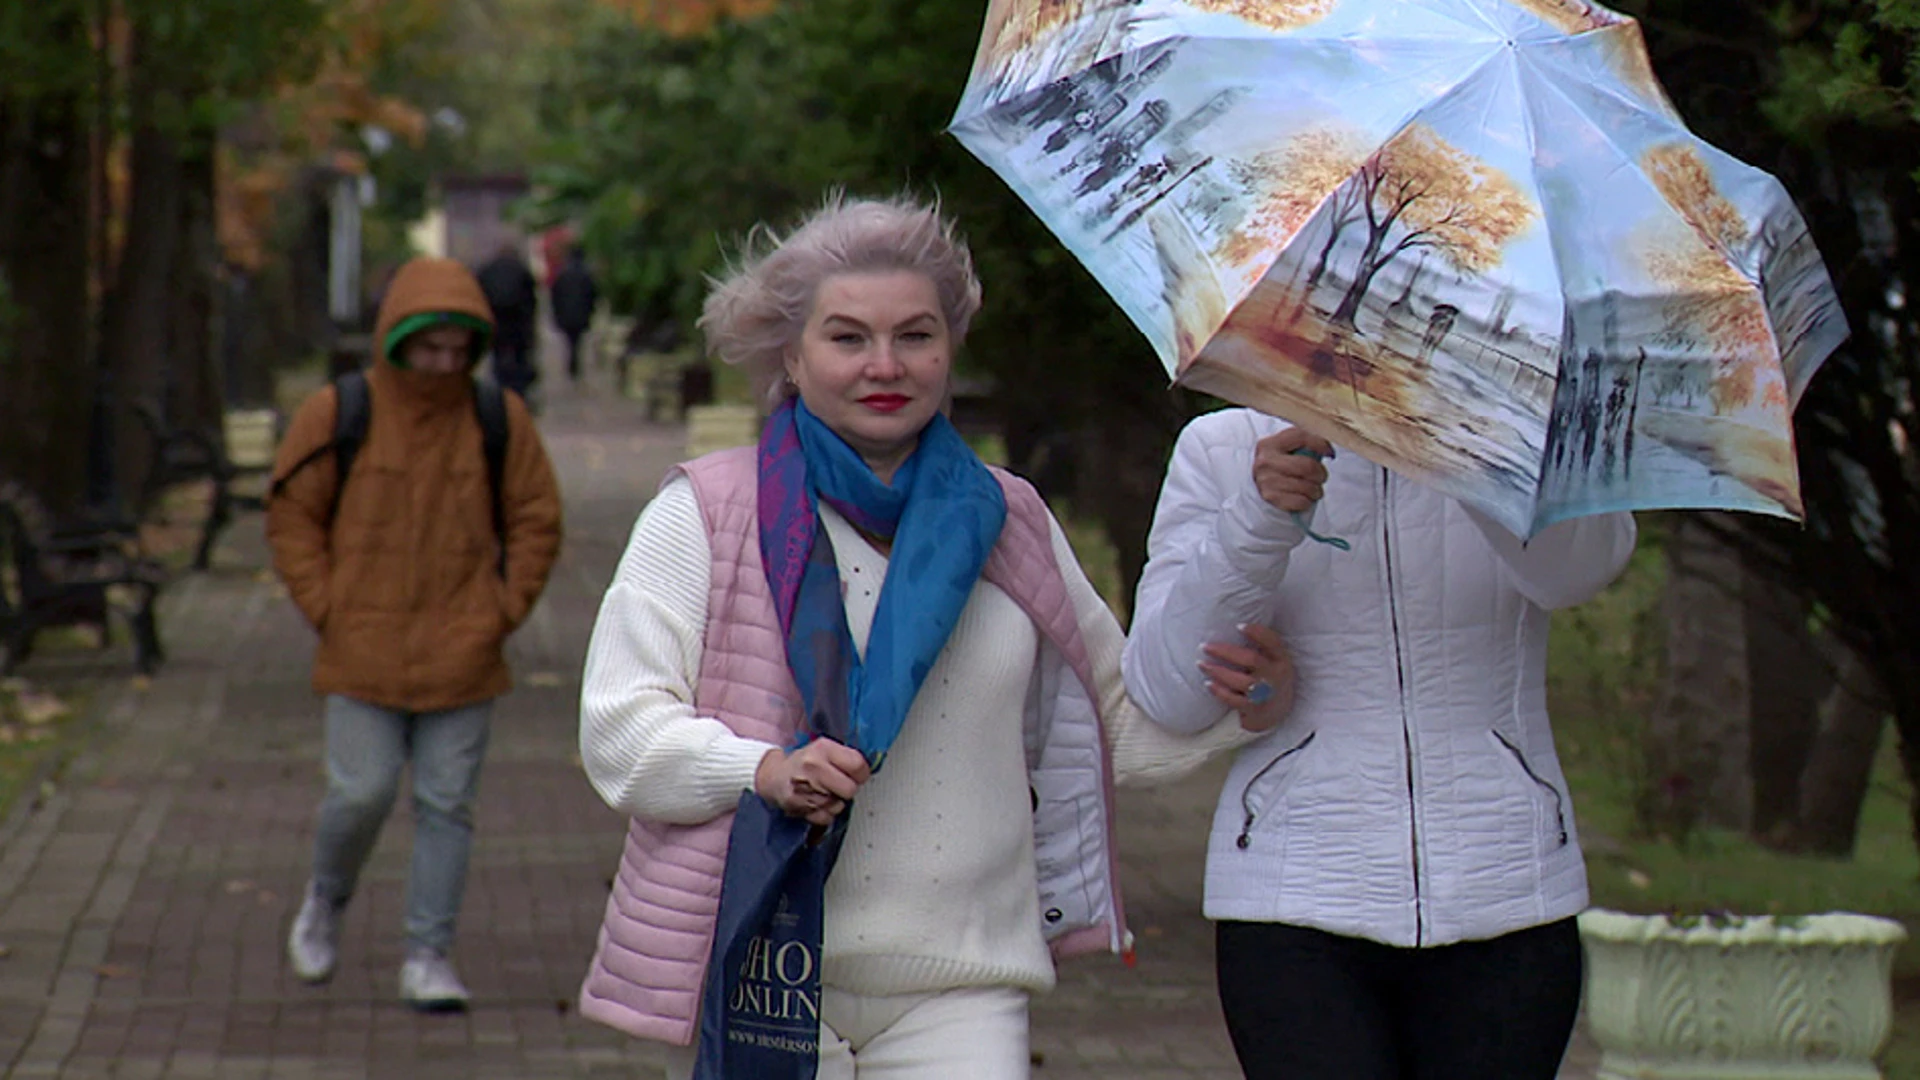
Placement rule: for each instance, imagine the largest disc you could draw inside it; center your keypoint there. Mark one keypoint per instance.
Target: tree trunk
(1696, 747)
(1339, 226)
(138, 309)
(195, 394)
(1121, 461)
(1906, 719)
(1840, 760)
(1348, 313)
(244, 346)
(1788, 674)
(46, 381)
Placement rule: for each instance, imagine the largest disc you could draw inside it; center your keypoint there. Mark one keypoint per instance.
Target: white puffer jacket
(1413, 796)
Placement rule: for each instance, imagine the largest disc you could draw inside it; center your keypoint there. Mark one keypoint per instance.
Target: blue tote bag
(760, 1009)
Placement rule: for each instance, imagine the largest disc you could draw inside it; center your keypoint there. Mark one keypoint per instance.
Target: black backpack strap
(490, 405)
(353, 404)
(280, 482)
(350, 422)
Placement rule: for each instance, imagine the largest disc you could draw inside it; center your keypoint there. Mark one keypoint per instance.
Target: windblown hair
(754, 314)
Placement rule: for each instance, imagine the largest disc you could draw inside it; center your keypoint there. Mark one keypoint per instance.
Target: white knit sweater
(936, 885)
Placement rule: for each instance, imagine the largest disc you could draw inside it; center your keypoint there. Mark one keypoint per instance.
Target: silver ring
(1260, 692)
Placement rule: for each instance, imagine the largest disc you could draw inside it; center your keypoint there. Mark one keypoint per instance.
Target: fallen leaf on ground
(1639, 879)
(143, 682)
(5, 951)
(115, 971)
(9, 734)
(39, 708)
(240, 885)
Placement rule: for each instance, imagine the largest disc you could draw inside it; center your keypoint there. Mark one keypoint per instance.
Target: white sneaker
(313, 947)
(429, 983)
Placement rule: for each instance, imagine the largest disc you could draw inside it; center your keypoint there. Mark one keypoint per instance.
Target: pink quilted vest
(651, 961)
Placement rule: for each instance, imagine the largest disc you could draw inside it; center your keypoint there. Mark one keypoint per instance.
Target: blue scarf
(943, 513)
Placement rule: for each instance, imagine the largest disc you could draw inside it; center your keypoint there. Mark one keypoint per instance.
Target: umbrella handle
(1300, 518)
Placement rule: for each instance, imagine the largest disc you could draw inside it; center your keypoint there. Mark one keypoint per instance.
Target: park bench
(243, 453)
(52, 577)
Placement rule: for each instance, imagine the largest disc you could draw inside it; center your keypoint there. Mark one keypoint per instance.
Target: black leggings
(1308, 1005)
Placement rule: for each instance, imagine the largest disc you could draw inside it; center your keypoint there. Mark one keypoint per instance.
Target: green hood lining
(427, 320)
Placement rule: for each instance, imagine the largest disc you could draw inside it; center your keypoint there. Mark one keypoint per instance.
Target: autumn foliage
(303, 119)
(1445, 198)
(1272, 14)
(689, 16)
(1292, 181)
(1570, 16)
(1714, 302)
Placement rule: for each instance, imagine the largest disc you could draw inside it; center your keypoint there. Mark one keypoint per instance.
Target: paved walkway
(143, 902)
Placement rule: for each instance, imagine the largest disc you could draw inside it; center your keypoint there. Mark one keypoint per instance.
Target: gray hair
(754, 314)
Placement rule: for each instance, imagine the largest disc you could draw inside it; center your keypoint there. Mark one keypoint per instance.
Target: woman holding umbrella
(867, 632)
(1393, 870)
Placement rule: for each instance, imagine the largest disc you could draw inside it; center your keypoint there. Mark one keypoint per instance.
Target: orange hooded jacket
(404, 587)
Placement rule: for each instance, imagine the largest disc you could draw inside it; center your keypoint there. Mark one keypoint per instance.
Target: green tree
(673, 146)
(48, 100)
(188, 65)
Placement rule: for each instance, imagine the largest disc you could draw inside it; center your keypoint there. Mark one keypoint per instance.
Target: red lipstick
(885, 402)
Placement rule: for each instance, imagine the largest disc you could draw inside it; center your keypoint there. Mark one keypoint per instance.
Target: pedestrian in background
(514, 296)
(413, 569)
(1393, 871)
(572, 298)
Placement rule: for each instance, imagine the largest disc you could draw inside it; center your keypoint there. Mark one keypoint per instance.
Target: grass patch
(33, 726)
(1098, 558)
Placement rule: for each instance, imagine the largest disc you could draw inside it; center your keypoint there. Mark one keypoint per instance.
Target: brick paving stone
(144, 901)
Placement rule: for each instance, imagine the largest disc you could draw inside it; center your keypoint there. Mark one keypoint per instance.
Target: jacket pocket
(1276, 781)
(1552, 804)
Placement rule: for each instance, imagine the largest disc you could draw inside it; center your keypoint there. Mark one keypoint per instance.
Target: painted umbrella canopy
(1469, 239)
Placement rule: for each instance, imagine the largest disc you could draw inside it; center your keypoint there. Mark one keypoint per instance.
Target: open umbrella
(1470, 239)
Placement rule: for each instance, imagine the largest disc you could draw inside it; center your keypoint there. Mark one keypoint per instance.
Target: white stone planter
(1760, 999)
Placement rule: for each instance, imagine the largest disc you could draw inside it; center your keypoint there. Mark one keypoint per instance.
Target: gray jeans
(367, 748)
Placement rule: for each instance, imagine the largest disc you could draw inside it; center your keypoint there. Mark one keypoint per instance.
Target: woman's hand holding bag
(815, 782)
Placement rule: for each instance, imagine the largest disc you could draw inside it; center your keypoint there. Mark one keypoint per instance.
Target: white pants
(979, 1033)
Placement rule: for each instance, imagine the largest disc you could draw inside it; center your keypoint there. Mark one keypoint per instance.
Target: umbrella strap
(1334, 542)
(1300, 518)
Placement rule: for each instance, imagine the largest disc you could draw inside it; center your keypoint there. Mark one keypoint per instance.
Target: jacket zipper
(1559, 803)
(1406, 722)
(1246, 805)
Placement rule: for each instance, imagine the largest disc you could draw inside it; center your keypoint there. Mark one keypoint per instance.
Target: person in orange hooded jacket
(400, 569)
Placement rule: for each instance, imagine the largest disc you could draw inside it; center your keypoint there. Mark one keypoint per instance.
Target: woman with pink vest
(862, 567)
